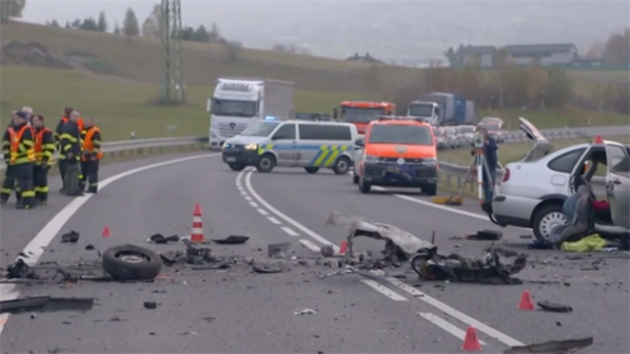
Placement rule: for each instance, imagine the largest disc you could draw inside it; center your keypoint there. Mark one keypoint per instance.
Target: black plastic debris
(278, 250)
(486, 235)
(269, 267)
(70, 237)
(161, 239)
(20, 270)
(327, 251)
(560, 346)
(554, 307)
(89, 247)
(232, 240)
(150, 305)
(46, 304)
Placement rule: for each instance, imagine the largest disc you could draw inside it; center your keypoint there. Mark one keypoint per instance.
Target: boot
(93, 190)
(25, 203)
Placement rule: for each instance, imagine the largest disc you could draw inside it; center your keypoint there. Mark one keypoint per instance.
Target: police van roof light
(270, 118)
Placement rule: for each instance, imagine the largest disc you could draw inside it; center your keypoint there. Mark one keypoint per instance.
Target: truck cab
(428, 112)
(362, 113)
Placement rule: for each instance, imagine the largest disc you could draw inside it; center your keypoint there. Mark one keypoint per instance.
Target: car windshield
(360, 115)
(421, 110)
(400, 134)
(259, 129)
(233, 108)
(466, 129)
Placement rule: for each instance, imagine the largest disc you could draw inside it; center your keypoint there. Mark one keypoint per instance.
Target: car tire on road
(311, 169)
(129, 262)
(342, 165)
(545, 219)
(364, 187)
(266, 163)
(429, 189)
(236, 167)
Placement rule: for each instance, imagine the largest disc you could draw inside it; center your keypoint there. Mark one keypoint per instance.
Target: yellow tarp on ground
(590, 243)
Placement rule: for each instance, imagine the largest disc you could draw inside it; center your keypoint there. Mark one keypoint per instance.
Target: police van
(311, 145)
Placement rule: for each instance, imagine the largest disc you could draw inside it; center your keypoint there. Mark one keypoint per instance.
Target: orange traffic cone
(526, 303)
(598, 140)
(107, 232)
(343, 248)
(471, 341)
(196, 234)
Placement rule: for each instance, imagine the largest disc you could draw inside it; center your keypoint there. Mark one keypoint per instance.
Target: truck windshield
(260, 129)
(421, 110)
(400, 134)
(360, 115)
(233, 108)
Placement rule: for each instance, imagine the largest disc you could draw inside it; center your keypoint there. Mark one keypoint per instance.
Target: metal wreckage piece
(406, 250)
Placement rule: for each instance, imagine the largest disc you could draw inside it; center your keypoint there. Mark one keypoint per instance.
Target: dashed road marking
(445, 325)
(274, 220)
(289, 231)
(262, 212)
(243, 193)
(385, 291)
(310, 245)
(248, 198)
(254, 204)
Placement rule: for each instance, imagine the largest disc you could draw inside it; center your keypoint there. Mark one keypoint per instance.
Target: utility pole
(172, 51)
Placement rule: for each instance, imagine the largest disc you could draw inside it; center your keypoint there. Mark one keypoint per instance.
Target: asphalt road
(236, 310)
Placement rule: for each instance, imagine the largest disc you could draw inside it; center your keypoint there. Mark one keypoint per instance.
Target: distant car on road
(440, 138)
(495, 127)
(465, 134)
(452, 139)
(533, 189)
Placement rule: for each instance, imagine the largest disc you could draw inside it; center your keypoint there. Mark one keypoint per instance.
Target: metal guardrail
(140, 145)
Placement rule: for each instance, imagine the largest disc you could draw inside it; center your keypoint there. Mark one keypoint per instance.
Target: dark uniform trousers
(40, 179)
(22, 174)
(89, 174)
(9, 183)
(63, 168)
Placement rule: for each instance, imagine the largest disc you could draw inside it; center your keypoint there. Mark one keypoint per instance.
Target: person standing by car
(490, 148)
(70, 151)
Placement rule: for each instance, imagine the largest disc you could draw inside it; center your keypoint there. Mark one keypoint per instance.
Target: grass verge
(557, 118)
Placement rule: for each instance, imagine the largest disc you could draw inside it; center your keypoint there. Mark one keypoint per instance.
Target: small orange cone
(107, 232)
(196, 234)
(471, 341)
(598, 140)
(343, 247)
(526, 303)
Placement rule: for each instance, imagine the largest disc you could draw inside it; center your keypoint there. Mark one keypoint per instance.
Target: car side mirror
(359, 142)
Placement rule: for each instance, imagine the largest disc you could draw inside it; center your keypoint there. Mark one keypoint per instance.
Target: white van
(311, 145)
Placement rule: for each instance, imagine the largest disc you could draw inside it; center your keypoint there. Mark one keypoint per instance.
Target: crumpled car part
(559, 346)
(46, 304)
(400, 245)
(430, 265)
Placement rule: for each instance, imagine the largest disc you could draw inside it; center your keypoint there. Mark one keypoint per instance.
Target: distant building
(367, 58)
(546, 54)
(483, 55)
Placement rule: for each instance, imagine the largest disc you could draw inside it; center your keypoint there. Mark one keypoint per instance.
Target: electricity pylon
(172, 51)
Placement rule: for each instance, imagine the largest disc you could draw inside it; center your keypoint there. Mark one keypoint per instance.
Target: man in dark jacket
(490, 148)
(65, 116)
(70, 151)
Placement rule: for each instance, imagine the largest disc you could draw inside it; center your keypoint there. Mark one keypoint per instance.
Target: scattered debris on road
(561, 346)
(278, 250)
(270, 267)
(20, 270)
(70, 237)
(130, 262)
(327, 251)
(554, 307)
(46, 304)
(232, 240)
(161, 239)
(483, 235)
(305, 312)
(150, 305)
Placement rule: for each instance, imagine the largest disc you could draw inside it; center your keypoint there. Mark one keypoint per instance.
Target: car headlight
(370, 158)
(251, 147)
(430, 161)
(226, 145)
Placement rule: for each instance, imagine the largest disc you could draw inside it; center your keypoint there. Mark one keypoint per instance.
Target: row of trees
(614, 52)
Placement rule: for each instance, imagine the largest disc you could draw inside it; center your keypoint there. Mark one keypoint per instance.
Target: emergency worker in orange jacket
(19, 154)
(44, 150)
(91, 155)
(63, 164)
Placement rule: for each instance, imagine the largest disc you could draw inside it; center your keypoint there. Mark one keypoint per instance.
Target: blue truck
(453, 110)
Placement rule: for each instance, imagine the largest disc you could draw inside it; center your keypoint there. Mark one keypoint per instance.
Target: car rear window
(400, 134)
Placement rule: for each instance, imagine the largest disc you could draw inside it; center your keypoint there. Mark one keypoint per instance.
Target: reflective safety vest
(79, 122)
(88, 144)
(39, 140)
(16, 139)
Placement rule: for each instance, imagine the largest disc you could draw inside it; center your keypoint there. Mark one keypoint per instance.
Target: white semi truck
(427, 111)
(237, 102)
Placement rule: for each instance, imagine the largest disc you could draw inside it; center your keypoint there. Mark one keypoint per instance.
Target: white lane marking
(262, 212)
(35, 248)
(413, 291)
(445, 325)
(310, 245)
(244, 193)
(501, 337)
(435, 206)
(254, 204)
(274, 220)
(289, 231)
(248, 185)
(248, 198)
(385, 291)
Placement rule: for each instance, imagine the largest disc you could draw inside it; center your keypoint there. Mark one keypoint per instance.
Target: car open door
(541, 145)
(618, 183)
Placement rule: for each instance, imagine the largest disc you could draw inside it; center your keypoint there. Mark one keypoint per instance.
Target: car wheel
(266, 163)
(364, 187)
(545, 220)
(355, 178)
(311, 169)
(236, 167)
(342, 166)
(129, 262)
(429, 189)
